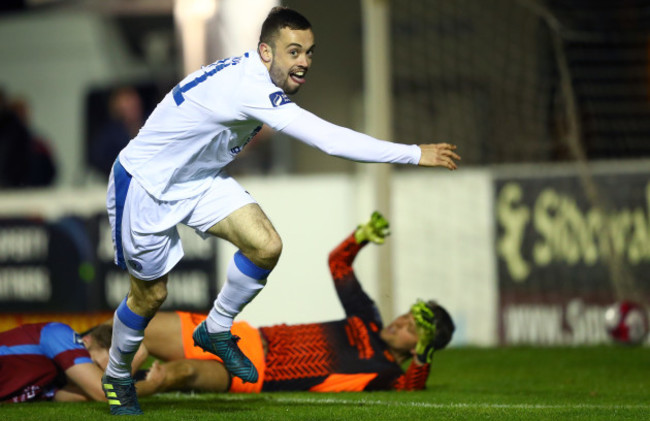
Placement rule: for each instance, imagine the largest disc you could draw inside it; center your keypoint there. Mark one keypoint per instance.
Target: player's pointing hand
(439, 155)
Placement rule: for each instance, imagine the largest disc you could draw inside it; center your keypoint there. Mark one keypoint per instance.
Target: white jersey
(206, 120)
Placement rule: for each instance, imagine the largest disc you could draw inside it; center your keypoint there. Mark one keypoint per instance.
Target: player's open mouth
(298, 76)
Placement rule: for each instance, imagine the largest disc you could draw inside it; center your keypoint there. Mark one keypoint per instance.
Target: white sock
(128, 332)
(244, 281)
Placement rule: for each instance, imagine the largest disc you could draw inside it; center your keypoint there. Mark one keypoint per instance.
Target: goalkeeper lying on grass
(354, 354)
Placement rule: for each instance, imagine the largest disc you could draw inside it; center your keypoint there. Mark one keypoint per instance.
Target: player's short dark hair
(444, 325)
(281, 17)
(101, 335)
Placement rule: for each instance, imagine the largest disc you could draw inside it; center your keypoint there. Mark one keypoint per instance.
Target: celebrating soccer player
(173, 172)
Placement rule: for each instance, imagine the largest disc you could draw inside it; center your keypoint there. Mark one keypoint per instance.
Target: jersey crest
(279, 98)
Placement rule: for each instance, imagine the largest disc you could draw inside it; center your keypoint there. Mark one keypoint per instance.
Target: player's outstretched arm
(439, 155)
(345, 143)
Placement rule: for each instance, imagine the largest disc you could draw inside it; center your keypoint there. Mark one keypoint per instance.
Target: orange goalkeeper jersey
(344, 355)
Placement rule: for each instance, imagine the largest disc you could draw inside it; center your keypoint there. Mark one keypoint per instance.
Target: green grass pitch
(518, 383)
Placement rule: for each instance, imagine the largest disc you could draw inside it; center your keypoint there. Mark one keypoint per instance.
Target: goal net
(498, 77)
(561, 89)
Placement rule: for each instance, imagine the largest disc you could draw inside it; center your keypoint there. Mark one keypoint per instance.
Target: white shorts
(145, 238)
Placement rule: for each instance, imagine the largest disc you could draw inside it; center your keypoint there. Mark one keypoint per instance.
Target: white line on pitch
(457, 405)
(412, 404)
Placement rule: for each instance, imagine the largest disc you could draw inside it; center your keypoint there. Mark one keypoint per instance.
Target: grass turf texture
(585, 383)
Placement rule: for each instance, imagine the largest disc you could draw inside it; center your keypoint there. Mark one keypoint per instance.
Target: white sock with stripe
(128, 332)
(244, 281)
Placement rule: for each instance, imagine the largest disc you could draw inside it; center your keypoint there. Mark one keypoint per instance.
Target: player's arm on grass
(84, 383)
(153, 383)
(187, 374)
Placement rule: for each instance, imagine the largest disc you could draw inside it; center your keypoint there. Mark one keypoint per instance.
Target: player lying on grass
(50, 361)
(354, 354)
